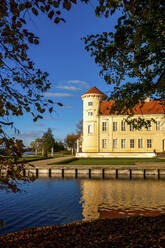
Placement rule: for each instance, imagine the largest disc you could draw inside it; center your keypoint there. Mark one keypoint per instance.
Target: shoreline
(138, 231)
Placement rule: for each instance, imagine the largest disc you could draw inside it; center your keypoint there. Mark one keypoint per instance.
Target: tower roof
(94, 90)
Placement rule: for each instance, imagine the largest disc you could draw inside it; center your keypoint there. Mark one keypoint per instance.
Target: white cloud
(53, 94)
(67, 107)
(31, 134)
(79, 82)
(39, 124)
(65, 87)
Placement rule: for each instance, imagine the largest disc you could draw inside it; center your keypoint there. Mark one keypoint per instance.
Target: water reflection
(56, 202)
(120, 198)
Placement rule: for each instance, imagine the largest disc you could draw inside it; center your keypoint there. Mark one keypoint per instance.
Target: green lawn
(30, 158)
(107, 161)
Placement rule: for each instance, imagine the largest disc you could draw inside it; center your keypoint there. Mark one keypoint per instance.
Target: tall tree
(70, 141)
(48, 142)
(132, 58)
(79, 127)
(21, 84)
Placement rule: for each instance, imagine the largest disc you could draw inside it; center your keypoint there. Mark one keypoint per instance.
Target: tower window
(90, 103)
(90, 113)
(90, 128)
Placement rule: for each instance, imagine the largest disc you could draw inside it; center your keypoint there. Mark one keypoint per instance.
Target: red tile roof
(95, 91)
(151, 107)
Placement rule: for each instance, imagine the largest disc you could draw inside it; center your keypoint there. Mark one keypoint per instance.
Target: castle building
(109, 135)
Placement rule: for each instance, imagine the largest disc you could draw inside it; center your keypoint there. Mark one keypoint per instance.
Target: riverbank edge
(136, 231)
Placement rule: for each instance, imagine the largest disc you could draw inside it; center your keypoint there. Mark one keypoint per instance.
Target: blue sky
(71, 69)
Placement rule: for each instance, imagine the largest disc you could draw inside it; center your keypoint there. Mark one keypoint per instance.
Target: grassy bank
(30, 158)
(107, 161)
(139, 232)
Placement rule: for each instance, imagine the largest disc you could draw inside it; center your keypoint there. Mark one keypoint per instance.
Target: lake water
(55, 202)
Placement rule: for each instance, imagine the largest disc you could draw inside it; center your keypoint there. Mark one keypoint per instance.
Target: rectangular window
(158, 124)
(90, 103)
(149, 128)
(140, 143)
(131, 127)
(132, 143)
(149, 143)
(114, 143)
(104, 126)
(123, 143)
(123, 126)
(104, 143)
(114, 126)
(90, 113)
(90, 128)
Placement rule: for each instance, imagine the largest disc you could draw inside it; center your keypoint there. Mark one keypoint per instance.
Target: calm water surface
(56, 202)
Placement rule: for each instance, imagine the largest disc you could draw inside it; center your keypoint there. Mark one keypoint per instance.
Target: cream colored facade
(110, 136)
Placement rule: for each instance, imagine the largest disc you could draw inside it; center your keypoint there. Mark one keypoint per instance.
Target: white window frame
(104, 126)
(90, 103)
(104, 143)
(149, 143)
(90, 128)
(123, 126)
(158, 126)
(115, 126)
(114, 143)
(123, 143)
(140, 143)
(132, 143)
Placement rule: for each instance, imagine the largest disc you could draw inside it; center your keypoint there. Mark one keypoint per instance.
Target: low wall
(101, 173)
(116, 155)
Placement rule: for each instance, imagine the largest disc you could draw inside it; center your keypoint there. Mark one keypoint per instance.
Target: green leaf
(22, 7)
(60, 104)
(50, 110)
(47, 7)
(74, 1)
(56, 4)
(35, 11)
(42, 9)
(23, 20)
(36, 42)
(51, 14)
(67, 5)
(57, 20)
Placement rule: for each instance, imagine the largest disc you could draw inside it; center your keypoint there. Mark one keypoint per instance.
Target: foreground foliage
(132, 58)
(129, 232)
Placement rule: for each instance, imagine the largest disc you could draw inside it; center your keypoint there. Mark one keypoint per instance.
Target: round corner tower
(91, 104)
